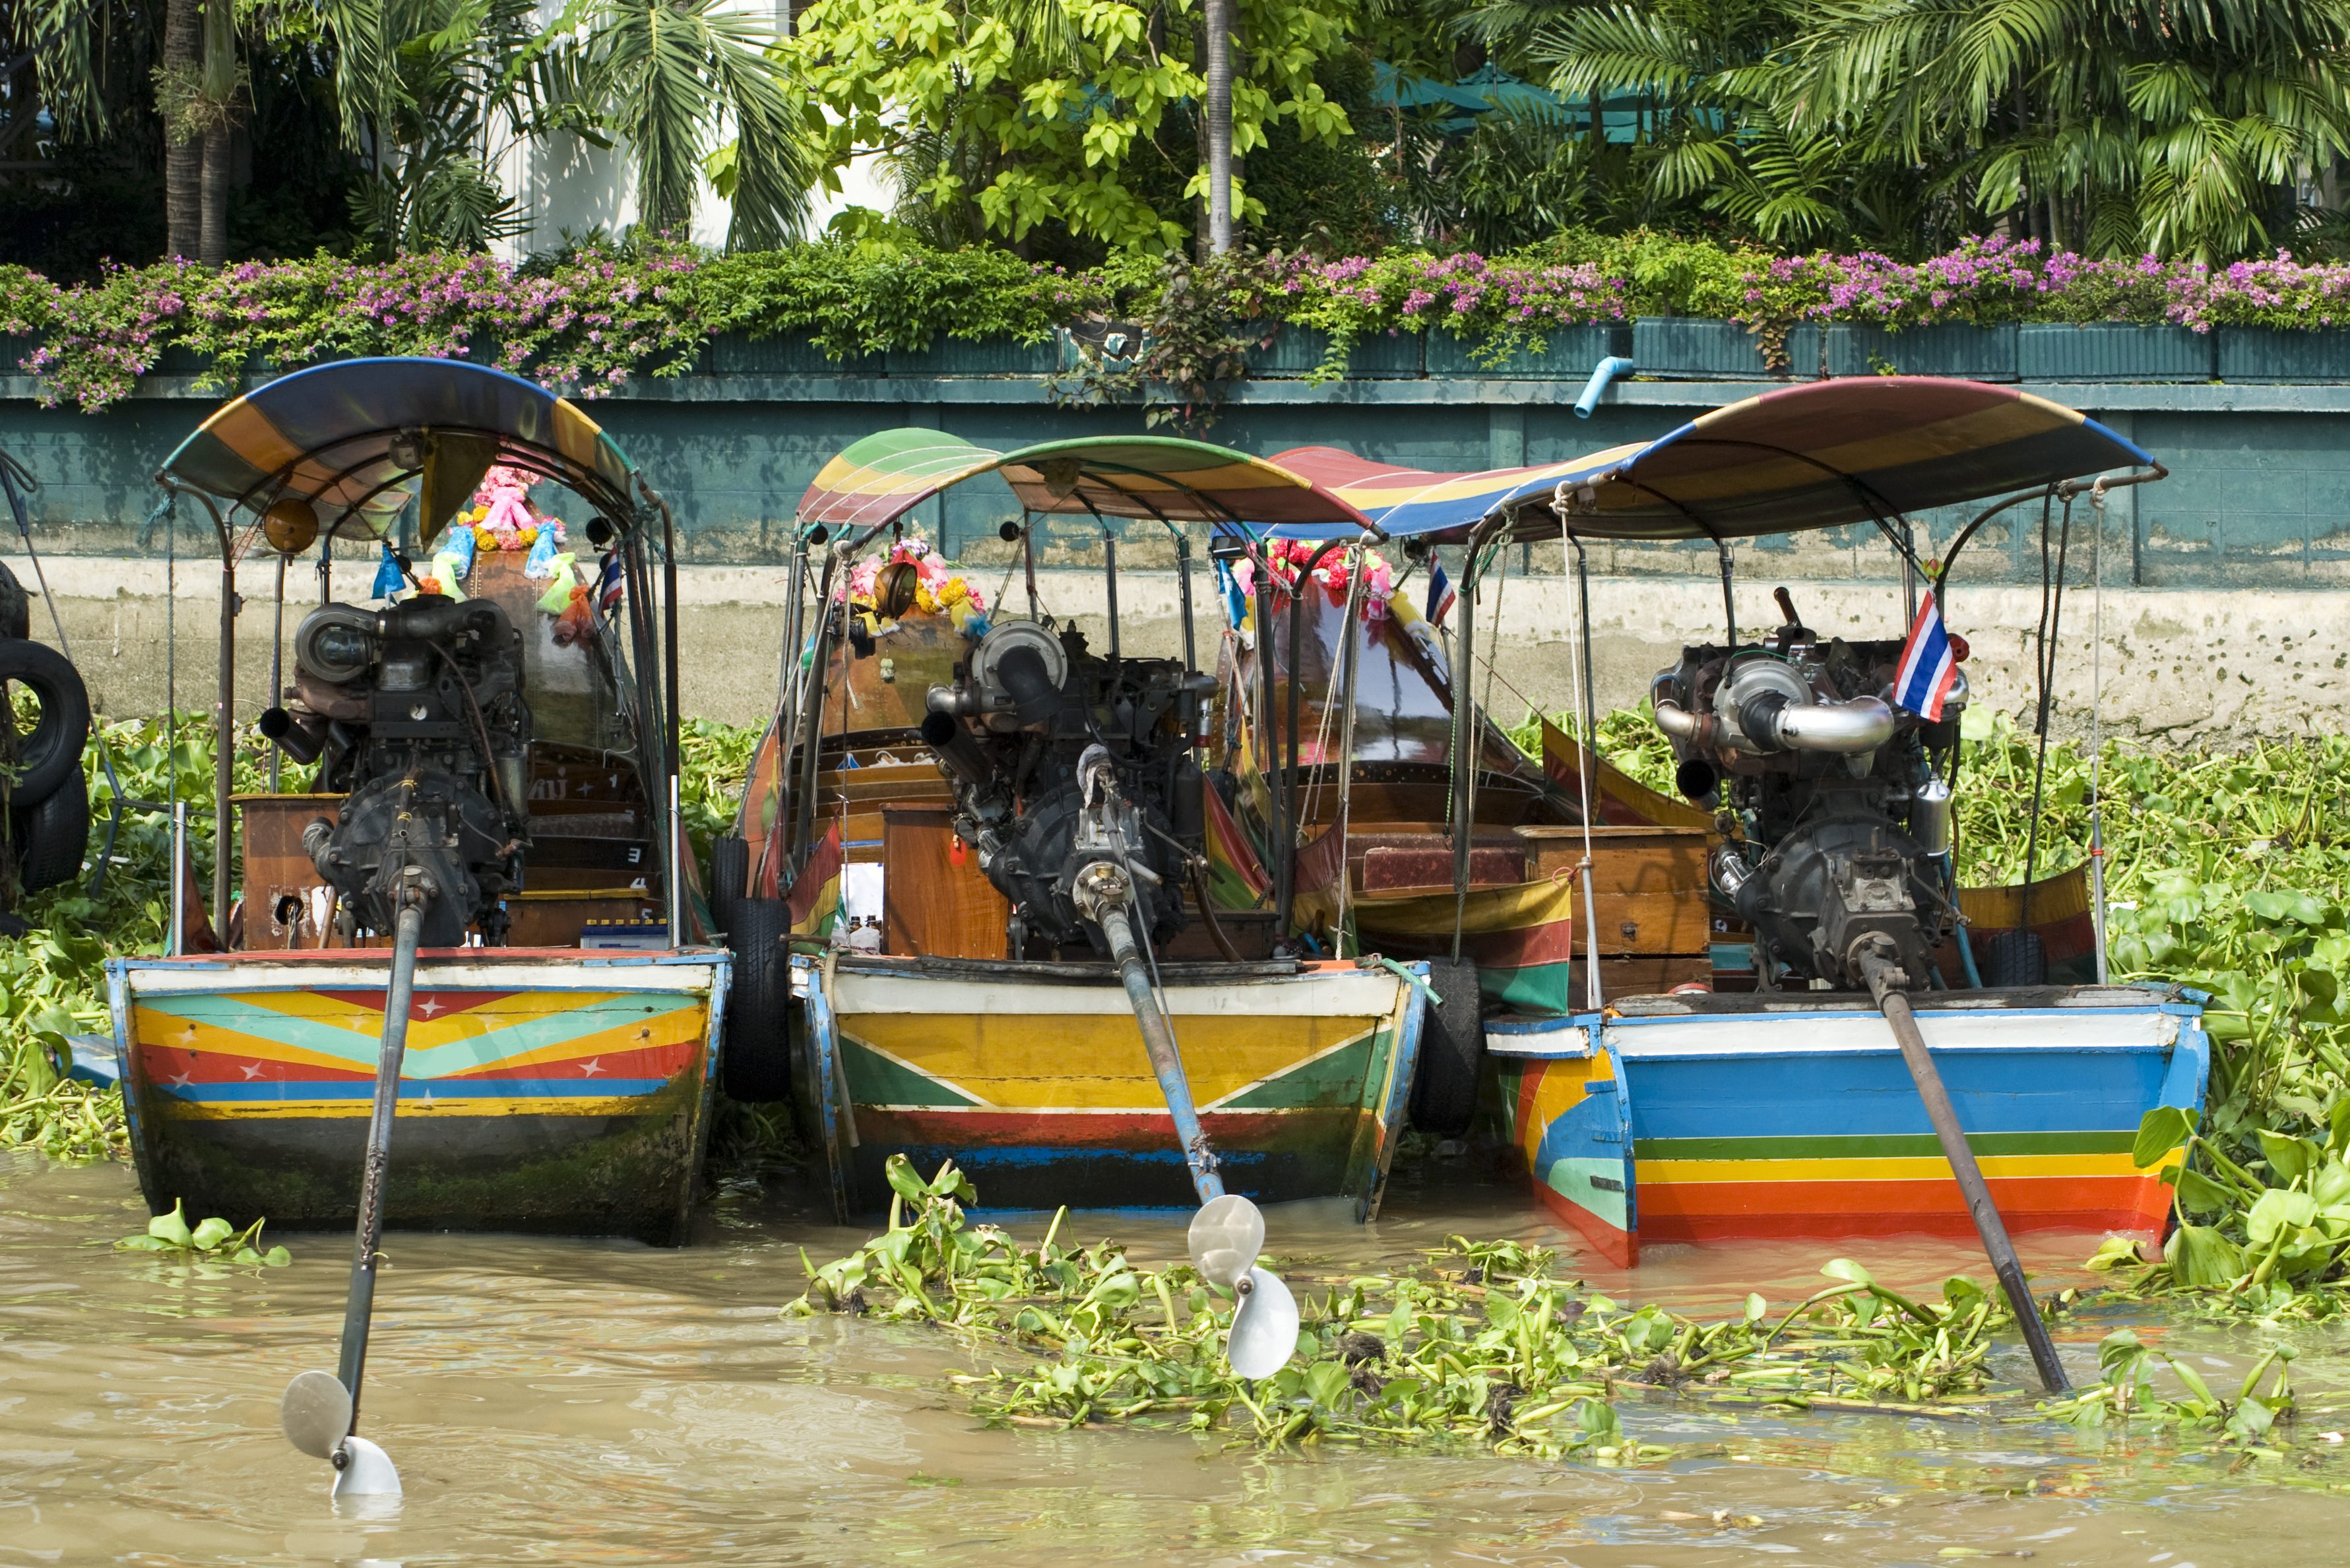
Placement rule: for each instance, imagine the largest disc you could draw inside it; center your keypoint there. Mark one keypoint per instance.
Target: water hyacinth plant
(213, 1241)
(1483, 1345)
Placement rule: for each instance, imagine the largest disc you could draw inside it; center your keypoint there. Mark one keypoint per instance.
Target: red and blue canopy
(882, 477)
(1819, 455)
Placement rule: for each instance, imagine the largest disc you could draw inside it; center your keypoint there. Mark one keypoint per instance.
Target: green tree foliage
(2108, 127)
(1017, 114)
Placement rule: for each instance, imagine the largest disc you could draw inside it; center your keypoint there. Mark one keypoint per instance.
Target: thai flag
(609, 581)
(1440, 595)
(1929, 665)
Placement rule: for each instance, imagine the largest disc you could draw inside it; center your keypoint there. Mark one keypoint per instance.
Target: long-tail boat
(1035, 824)
(1761, 1093)
(490, 749)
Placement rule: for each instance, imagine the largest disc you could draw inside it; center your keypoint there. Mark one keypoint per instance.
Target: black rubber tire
(1452, 1053)
(52, 753)
(52, 839)
(15, 605)
(2013, 958)
(730, 872)
(757, 1062)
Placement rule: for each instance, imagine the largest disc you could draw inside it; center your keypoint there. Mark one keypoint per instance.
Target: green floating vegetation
(1481, 1345)
(213, 1240)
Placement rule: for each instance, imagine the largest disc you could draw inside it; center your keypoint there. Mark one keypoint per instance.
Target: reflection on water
(582, 1402)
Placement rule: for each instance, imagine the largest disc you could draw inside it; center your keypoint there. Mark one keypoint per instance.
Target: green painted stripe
(1331, 1080)
(1887, 1146)
(876, 1080)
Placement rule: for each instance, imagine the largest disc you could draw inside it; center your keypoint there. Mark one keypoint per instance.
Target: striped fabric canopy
(1819, 455)
(884, 476)
(326, 435)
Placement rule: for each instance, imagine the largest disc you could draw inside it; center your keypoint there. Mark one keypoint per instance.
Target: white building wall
(563, 183)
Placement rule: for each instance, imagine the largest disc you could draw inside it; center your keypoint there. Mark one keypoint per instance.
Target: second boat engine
(1062, 760)
(1835, 799)
(415, 714)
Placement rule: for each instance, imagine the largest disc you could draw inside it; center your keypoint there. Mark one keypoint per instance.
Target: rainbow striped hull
(1036, 1082)
(1718, 1118)
(550, 1092)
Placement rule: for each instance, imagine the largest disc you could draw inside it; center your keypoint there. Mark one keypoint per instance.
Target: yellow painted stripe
(174, 1109)
(1926, 1168)
(1071, 1062)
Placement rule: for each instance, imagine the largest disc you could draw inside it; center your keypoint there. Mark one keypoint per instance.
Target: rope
(2052, 614)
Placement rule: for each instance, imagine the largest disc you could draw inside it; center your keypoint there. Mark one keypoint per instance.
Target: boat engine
(415, 714)
(1834, 799)
(1062, 760)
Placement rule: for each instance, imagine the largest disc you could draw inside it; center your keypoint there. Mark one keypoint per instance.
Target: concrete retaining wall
(2177, 667)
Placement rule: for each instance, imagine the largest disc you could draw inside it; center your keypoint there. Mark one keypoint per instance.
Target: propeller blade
(1226, 1235)
(1264, 1329)
(367, 1472)
(316, 1413)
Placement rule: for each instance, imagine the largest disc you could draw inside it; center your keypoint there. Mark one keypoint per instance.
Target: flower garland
(1285, 558)
(503, 516)
(940, 588)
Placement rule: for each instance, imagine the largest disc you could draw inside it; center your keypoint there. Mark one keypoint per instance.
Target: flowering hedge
(595, 319)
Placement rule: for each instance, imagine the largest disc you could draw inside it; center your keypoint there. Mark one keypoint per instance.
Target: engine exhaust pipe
(1862, 724)
(296, 739)
(956, 751)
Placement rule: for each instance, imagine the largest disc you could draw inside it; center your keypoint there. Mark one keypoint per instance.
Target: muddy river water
(591, 1402)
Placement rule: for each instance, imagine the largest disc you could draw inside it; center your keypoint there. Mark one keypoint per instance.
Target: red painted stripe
(1142, 1132)
(1714, 1211)
(176, 1065)
(425, 1005)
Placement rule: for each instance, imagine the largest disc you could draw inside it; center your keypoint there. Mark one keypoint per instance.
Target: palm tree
(2109, 125)
(669, 77)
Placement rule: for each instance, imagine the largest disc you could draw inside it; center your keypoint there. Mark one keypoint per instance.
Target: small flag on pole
(1929, 665)
(1440, 593)
(609, 581)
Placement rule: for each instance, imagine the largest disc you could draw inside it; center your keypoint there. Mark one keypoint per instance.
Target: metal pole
(678, 851)
(1729, 605)
(277, 668)
(177, 922)
(1183, 592)
(1157, 1037)
(1953, 1139)
(1464, 739)
(1109, 574)
(359, 1310)
(225, 761)
(1265, 728)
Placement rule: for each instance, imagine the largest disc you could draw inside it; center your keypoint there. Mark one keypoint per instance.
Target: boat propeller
(1227, 1234)
(319, 1410)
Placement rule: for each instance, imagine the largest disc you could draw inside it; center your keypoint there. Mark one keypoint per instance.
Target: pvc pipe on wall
(1606, 370)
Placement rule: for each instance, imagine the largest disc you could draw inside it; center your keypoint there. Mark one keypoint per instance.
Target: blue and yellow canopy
(884, 476)
(328, 435)
(1819, 455)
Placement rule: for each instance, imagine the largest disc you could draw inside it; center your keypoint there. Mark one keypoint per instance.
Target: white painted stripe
(559, 974)
(1814, 1034)
(1371, 994)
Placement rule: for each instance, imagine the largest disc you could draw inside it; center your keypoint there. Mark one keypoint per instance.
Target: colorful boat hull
(1035, 1082)
(1727, 1118)
(553, 1093)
